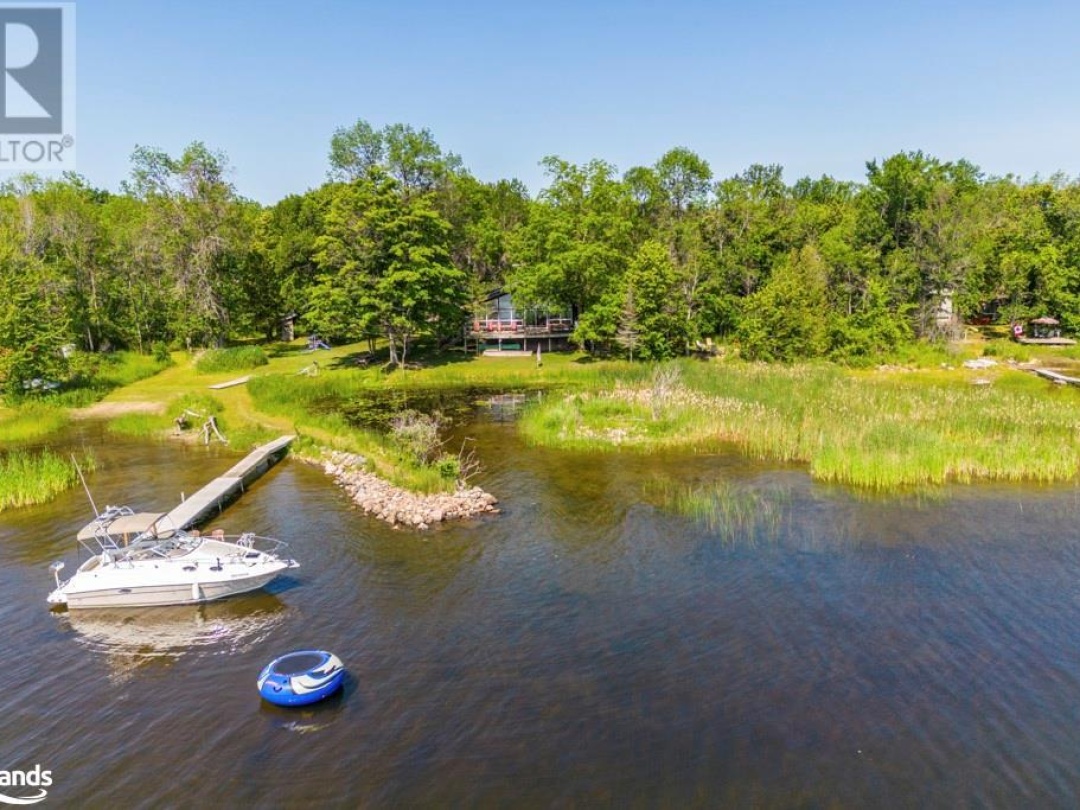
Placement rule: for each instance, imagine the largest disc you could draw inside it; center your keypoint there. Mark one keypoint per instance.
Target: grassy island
(880, 430)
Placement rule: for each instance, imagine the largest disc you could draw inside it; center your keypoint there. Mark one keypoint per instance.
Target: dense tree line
(402, 238)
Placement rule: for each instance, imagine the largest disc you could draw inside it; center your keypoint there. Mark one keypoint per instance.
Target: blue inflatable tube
(302, 677)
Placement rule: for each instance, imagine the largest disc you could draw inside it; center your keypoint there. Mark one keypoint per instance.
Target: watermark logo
(37, 94)
(29, 785)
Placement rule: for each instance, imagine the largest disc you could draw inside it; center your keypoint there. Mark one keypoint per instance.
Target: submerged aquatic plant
(725, 509)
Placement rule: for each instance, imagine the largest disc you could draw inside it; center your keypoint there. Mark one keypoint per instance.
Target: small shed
(1045, 331)
(1045, 327)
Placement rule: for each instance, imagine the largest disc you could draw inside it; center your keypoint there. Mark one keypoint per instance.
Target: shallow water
(586, 647)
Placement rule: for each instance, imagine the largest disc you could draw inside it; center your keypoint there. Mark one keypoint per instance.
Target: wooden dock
(211, 499)
(230, 383)
(1054, 376)
(1050, 341)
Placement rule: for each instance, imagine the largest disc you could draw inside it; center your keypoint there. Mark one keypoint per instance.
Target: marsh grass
(734, 513)
(313, 404)
(882, 430)
(323, 407)
(924, 354)
(32, 421)
(878, 431)
(29, 478)
(1008, 350)
(139, 425)
(247, 435)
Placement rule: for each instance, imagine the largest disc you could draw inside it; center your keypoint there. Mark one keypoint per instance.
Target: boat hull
(166, 594)
(178, 569)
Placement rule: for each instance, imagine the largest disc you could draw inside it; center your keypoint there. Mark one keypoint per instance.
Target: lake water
(587, 647)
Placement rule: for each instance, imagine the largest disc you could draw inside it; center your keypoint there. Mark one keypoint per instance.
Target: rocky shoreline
(398, 506)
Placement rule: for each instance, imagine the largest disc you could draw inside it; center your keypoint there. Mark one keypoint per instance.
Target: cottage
(500, 326)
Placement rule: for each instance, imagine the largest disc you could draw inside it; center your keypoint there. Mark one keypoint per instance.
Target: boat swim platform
(212, 498)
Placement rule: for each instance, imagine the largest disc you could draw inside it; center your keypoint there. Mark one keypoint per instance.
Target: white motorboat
(136, 561)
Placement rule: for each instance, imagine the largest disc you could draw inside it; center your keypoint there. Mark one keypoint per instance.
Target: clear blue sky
(819, 88)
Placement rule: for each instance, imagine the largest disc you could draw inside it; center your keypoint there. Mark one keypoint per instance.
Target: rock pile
(399, 506)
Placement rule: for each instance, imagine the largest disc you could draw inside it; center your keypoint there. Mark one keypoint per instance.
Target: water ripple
(587, 647)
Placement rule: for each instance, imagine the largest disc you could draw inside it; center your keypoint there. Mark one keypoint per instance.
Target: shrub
(1007, 350)
(238, 358)
(448, 467)
(783, 320)
(416, 435)
(199, 403)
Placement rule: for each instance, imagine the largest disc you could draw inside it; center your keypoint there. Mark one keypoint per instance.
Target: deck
(1048, 341)
(514, 335)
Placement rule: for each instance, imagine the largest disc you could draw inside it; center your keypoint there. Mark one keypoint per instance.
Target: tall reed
(28, 478)
(734, 513)
(873, 430)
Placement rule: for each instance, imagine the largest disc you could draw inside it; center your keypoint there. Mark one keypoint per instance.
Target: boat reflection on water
(132, 638)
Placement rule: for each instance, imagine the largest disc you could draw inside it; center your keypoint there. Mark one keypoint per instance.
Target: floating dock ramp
(211, 499)
(1054, 376)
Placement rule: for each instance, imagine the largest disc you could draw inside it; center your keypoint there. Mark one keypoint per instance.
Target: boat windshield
(153, 548)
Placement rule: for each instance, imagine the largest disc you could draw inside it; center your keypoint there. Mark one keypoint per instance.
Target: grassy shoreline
(870, 430)
(31, 478)
(882, 429)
